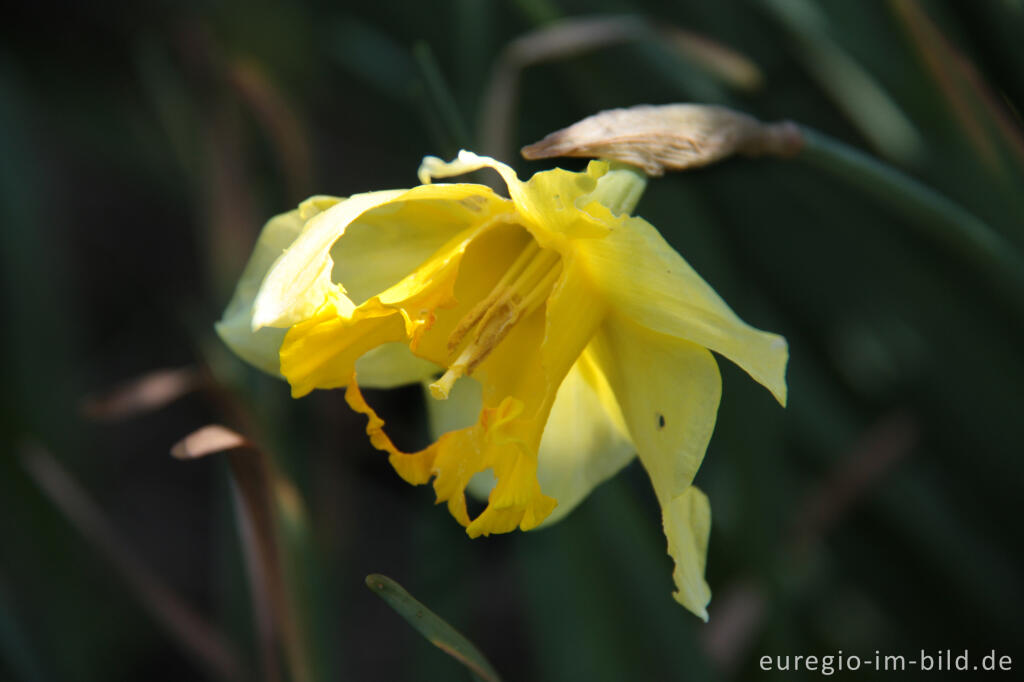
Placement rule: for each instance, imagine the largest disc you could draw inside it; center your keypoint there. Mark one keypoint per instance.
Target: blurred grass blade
(726, 64)
(255, 483)
(538, 11)
(266, 585)
(579, 35)
(980, 114)
(854, 90)
(279, 122)
(559, 40)
(474, 36)
(440, 96)
(372, 55)
(195, 636)
(18, 654)
(146, 393)
(430, 625)
(857, 474)
(934, 215)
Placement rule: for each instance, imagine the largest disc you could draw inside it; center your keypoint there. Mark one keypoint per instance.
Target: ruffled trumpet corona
(558, 336)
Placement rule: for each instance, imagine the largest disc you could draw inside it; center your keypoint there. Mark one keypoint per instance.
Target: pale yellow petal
(645, 280)
(687, 520)
(459, 410)
(584, 441)
(235, 327)
(322, 351)
(669, 390)
(391, 365)
(546, 203)
(299, 282)
(364, 247)
(387, 243)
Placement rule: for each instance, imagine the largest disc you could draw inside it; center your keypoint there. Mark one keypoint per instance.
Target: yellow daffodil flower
(573, 332)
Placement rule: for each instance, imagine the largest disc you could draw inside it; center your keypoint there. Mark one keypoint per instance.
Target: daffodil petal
(392, 232)
(459, 410)
(585, 441)
(388, 242)
(299, 282)
(322, 351)
(648, 282)
(235, 327)
(546, 203)
(687, 521)
(391, 365)
(669, 390)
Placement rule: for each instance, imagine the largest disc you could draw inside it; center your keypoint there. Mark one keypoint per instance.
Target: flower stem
(620, 188)
(935, 215)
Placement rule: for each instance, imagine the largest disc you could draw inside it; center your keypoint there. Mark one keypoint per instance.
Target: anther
(523, 288)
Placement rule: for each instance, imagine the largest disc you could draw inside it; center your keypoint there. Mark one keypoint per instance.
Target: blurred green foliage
(142, 146)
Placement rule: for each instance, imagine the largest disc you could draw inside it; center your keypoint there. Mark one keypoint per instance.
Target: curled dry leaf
(208, 440)
(670, 136)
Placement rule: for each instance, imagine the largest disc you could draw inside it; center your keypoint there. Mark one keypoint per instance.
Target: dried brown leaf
(207, 441)
(146, 393)
(670, 136)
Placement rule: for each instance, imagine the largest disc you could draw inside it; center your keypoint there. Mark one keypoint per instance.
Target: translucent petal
(235, 327)
(392, 365)
(299, 281)
(585, 440)
(687, 521)
(322, 351)
(387, 243)
(460, 410)
(392, 233)
(669, 390)
(546, 203)
(645, 280)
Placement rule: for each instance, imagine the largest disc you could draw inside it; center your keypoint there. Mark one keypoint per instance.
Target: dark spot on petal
(661, 421)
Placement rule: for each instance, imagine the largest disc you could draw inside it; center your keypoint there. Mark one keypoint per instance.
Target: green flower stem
(620, 188)
(935, 215)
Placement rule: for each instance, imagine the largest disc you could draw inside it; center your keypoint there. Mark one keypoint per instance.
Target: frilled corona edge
(558, 335)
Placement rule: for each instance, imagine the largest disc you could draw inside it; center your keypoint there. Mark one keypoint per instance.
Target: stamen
(524, 283)
(523, 288)
(474, 315)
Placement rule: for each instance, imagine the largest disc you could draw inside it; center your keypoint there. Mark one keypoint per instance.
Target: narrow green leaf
(932, 213)
(854, 89)
(441, 97)
(430, 625)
